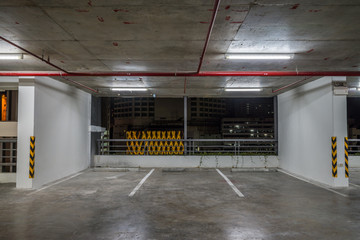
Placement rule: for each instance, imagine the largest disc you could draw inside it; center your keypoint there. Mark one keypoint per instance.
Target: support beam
(185, 121)
(182, 74)
(276, 136)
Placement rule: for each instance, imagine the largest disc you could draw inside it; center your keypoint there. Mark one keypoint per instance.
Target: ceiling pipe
(183, 74)
(81, 85)
(33, 54)
(215, 11)
(291, 84)
(47, 62)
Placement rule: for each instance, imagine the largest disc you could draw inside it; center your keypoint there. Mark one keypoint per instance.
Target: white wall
(61, 129)
(308, 117)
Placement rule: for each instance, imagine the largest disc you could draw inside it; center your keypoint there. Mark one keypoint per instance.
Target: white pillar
(340, 131)
(26, 114)
(308, 117)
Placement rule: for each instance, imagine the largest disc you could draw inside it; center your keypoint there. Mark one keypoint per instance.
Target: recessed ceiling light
(129, 89)
(259, 56)
(11, 56)
(243, 89)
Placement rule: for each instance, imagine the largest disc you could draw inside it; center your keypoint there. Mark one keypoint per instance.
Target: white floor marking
(113, 177)
(353, 184)
(141, 183)
(231, 184)
(316, 184)
(63, 180)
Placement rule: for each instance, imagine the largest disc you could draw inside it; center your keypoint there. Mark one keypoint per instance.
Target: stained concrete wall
(308, 117)
(58, 115)
(257, 162)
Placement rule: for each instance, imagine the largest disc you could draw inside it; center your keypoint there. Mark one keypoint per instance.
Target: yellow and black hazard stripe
(346, 144)
(32, 157)
(334, 156)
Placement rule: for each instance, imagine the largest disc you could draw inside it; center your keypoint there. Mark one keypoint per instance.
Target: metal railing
(354, 146)
(8, 147)
(187, 147)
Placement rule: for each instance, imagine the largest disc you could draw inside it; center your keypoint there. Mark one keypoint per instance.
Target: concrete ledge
(114, 169)
(253, 169)
(138, 161)
(354, 162)
(7, 177)
(8, 129)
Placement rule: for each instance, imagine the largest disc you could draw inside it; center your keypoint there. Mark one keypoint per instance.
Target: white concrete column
(308, 117)
(26, 114)
(339, 110)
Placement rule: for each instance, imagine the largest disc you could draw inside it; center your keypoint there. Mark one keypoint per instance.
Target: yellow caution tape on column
(32, 157)
(334, 156)
(346, 143)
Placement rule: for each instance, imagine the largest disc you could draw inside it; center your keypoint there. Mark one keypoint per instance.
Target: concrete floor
(180, 205)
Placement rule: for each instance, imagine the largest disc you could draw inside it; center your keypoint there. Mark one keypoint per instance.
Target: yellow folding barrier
(154, 147)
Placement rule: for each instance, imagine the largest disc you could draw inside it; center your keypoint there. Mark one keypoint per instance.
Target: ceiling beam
(184, 74)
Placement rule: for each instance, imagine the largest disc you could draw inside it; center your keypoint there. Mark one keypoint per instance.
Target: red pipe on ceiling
(32, 54)
(47, 62)
(182, 74)
(215, 10)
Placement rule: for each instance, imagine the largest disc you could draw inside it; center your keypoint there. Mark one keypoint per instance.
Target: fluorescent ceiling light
(11, 56)
(254, 56)
(243, 89)
(128, 89)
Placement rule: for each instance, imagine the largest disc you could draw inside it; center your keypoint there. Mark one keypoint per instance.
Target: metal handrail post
(98, 148)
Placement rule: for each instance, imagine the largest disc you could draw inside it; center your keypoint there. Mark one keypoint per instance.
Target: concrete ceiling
(169, 36)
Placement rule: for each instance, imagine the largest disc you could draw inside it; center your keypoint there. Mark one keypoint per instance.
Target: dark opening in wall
(215, 118)
(8, 105)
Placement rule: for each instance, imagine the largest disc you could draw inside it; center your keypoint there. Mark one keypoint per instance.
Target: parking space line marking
(231, 184)
(313, 183)
(63, 180)
(354, 185)
(141, 183)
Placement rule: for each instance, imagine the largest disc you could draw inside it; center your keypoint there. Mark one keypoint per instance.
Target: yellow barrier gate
(154, 147)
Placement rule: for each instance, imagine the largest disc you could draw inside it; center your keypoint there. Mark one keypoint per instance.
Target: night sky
(353, 110)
